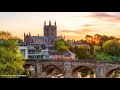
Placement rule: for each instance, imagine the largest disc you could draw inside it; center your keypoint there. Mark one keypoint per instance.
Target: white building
(24, 51)
(34, 51)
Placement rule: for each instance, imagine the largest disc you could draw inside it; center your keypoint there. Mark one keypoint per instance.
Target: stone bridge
(102, 69)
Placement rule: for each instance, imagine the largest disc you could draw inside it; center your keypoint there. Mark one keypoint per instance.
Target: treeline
(98, 47)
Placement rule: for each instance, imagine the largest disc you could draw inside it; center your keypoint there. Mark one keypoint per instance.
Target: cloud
(113, 17)
(107, 16)
(87, 25)
(100, 15)
(78, 34)
(81, 31)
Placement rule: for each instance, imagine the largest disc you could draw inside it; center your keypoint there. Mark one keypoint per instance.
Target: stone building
(65, 55)
(50, 35)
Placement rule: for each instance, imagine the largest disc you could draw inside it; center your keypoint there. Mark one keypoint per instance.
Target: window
(47, 34)
(46, 29)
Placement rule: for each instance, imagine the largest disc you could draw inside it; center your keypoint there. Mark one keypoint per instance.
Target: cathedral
(50, 35)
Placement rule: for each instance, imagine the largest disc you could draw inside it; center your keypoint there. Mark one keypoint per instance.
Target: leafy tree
(58, 44)
(63, 48)
(20, 40)
(91, 49)
(76, 50)
(11, 60)
(97, 49)
(82, 52)
(6, 36)
(89, 39)
(68, 44)
(72, 49)
(111, 47)
(102, 56)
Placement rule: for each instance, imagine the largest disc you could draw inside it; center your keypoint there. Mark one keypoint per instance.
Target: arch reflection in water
(32, 72)
(83, 72)
(114, 73)
(52, 72)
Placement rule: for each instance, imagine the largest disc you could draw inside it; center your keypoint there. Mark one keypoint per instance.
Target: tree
(58, 44)
(98, 49)
(105, 38)
(83, 41)
(63, 48)
(97, 38)
(72, 49)
(82, 52)
(68, 43)
(111, 47)
(20, 40)
(91, 49)
(89, 39)
(112, 38)
(6, 36)
(11, 60)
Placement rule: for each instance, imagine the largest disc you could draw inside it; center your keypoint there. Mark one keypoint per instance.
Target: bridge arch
(52, 71)
(83, 72)
(30, 70)
(113, 73)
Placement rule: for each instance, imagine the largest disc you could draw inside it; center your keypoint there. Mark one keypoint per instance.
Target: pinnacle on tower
(44, 23)
(49, 22)
(29, 34)
(24, 33)
(55, 23)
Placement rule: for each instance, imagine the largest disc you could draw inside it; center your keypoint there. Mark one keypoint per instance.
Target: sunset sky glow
(74, 25)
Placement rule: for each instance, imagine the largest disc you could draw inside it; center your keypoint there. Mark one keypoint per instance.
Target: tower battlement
(50, 30)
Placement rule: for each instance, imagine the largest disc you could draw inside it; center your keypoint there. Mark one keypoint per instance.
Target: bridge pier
(67, 70)
(100, 72)
(39, 70)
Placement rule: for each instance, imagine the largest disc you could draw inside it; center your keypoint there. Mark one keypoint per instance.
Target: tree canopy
(11, 60)
(111, 47)
(63, 48)
(58, 44)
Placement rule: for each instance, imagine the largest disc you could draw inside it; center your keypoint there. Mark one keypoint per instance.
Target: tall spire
(44, 23)
(55, 23)
(49, 22)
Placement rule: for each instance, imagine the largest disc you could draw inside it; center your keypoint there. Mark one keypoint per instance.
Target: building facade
(34, 51)
(65, 55)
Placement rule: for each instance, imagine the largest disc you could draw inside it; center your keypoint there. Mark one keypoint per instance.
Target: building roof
(38, 37)
(60, 53)
(37, 43)
(53, 37)
(78, 43)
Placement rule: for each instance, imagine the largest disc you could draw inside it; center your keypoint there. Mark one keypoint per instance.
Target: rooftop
(60, 53)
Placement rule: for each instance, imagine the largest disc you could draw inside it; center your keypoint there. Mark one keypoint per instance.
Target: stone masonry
(67, 68)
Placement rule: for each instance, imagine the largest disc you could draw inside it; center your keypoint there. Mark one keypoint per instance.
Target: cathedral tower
(50, 30)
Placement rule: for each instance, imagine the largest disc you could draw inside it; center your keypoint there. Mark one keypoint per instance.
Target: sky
(72, 25)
